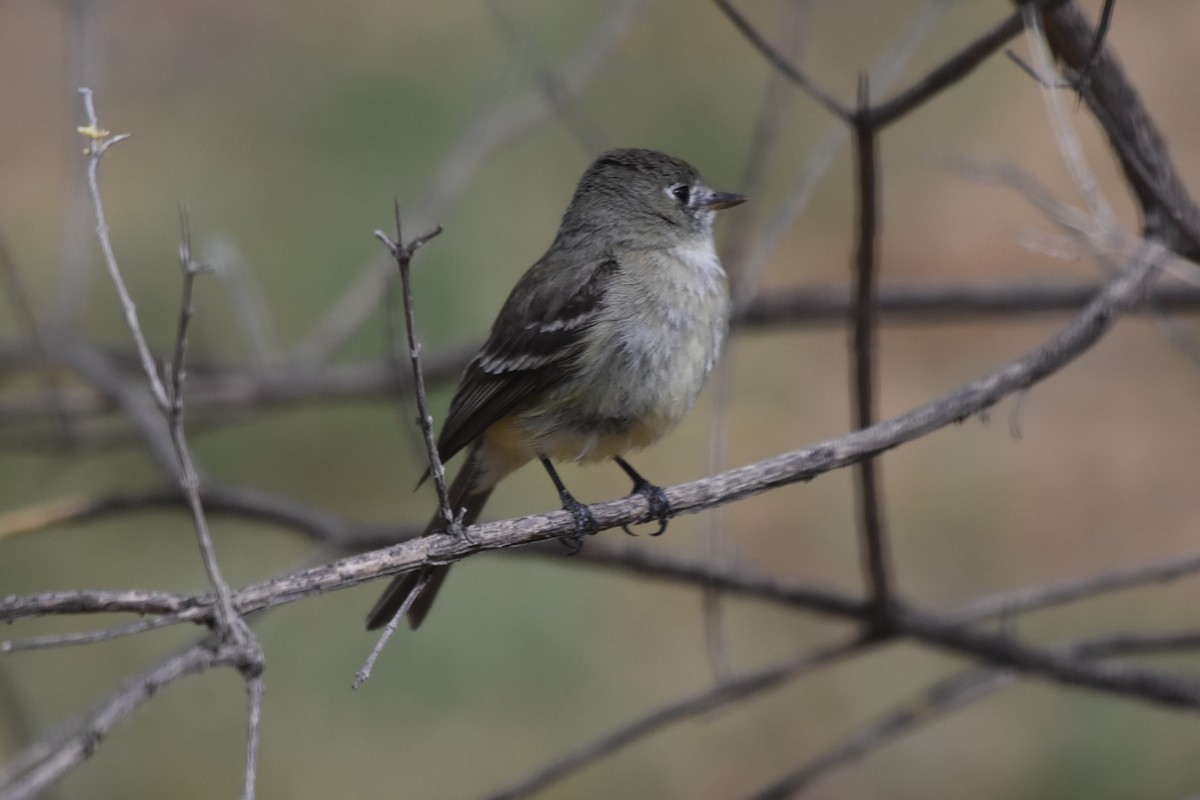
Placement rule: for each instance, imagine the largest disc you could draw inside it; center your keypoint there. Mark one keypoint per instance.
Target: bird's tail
(463, 495)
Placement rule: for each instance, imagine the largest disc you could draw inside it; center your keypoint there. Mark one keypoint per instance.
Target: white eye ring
(681, 193)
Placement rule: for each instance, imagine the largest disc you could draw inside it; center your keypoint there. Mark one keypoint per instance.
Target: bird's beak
(719, 200)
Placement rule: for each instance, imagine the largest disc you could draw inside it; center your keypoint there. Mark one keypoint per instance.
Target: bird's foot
(585, 523)
(660, 506)
(656, 498)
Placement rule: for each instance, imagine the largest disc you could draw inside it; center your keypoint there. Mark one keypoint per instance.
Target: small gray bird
(600, 349)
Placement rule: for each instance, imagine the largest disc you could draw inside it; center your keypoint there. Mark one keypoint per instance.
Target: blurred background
(289, 128)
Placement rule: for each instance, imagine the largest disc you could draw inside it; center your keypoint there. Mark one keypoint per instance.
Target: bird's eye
(682, 193)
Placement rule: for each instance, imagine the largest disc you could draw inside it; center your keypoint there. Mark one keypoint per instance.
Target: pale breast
(649, 351)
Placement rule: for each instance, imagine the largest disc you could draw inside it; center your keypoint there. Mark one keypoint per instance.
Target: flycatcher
(600, 349)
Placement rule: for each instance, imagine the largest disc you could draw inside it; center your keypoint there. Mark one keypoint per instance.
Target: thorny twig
(403, 253)
(169, 398)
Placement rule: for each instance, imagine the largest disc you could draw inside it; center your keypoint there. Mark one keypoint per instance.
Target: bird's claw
(585, 524)
(660, 506)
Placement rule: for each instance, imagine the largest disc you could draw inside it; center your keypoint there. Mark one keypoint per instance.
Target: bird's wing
(532, 342)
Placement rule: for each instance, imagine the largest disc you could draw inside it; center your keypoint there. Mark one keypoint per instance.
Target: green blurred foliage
(289, 128)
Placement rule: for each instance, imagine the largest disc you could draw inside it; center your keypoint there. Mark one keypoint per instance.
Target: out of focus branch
(219, 395)
(491, 129)
(62, 754)
(952, 694)
(872, 531)
(734, 484)
(725, 692)
(1171, 216)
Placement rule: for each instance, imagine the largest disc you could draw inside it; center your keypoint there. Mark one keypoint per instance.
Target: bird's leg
(585, 523)
(660, 507)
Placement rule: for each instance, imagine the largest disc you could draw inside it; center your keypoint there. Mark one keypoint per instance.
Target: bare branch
(650, 563)
(1032, 598)
(88, 637)
(102, 140)
(218, 397)
(255, 687)
(403, 253)
(246, 653)
(389, 630)
(954, 69)
(1068, 143)
(781, 63)
(1002, 650)
(189, 479)
(109, 405)
(946, 696)
(720, 695)
(75, 748)
(745, 481)
(1106, 14)
(238, 501)
(939, 302)
(873, 546)
(721, 576)
(938, 700)
(138, 601)
(883, 74)
(1171, 216)
(762, 476)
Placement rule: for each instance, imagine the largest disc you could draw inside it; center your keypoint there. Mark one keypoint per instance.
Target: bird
(600, 349)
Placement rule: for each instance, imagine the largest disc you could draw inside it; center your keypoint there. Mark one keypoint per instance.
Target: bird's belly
(590, 443)
(639, 390)
(643, 361)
